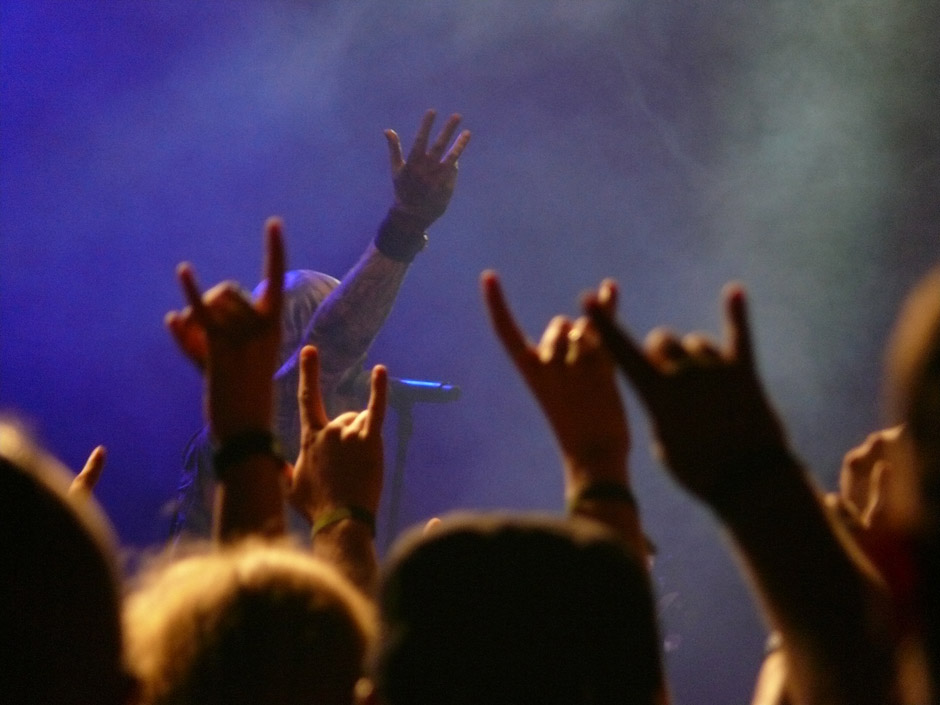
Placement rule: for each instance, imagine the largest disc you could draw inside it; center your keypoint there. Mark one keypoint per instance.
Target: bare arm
(238, 340)
(346, 323)
(572, 376)
(338, 476)
(723, 442)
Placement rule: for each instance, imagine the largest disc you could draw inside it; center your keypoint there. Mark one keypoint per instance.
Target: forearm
(614, 505)
(349, 546)
(343, 328)
(250, 499)
(347, 322)
(833, 618)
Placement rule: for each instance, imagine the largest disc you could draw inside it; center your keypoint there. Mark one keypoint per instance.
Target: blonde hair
(256, 622)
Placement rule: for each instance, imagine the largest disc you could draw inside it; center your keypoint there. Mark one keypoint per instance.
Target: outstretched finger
(86, 480)
(189, 336)
(443, 139)
(273, 296)
(378, 400)
(395, 157)
(420, 145)
(191, 291)
(460, 144)
(607, 294)
(701, 349)
(309, 398)
(552, 348)
(507, 330)
(738, 329)
(628, 355)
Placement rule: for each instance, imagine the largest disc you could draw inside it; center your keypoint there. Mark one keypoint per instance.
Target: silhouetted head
(253, 623)
(913, 387)
(60, 630)
(521, 611)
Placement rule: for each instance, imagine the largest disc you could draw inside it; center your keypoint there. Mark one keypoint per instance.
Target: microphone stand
(403, 395)
(404, 430)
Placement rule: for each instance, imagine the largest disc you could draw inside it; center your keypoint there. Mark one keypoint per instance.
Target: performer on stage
(341, 318)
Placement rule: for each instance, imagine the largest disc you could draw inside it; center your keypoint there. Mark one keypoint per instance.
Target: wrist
(601, 491)
(401, 235)
(238, 448)
(754, 481)
(350, 515)
(408, 219)
(583, 470)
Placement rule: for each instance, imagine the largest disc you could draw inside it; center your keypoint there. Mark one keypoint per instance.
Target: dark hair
(502, 610)
(60, 630)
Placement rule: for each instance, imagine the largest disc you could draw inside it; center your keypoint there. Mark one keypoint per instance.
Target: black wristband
(609, 491)
(397, 241)
(242, 446)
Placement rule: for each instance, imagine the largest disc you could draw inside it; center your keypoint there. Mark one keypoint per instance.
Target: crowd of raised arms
(471, 609)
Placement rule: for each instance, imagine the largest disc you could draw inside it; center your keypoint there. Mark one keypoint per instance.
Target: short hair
(251, 623)
(60, 629)
(304, 291)
(521, 610)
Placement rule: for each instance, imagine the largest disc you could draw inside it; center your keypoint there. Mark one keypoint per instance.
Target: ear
(364, 693)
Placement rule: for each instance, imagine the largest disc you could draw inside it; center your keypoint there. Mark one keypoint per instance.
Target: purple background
(672, 145)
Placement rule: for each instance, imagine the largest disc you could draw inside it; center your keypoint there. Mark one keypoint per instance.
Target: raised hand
(424, 183)
(235, 340)
(708, 407)
(86, 480)
(341, 460)
(865, 480)
(573, 378)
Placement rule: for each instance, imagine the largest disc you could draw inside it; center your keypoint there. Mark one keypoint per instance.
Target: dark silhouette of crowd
(497, 608)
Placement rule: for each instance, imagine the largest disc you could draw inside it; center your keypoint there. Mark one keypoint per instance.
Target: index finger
(628, 355)
(509, 333)
(378, 400)
(86, 480)
(737, 327)
(420, 145)
(309, 398)
(273, 296)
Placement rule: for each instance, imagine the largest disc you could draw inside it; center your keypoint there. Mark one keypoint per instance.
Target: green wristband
(359, 514)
